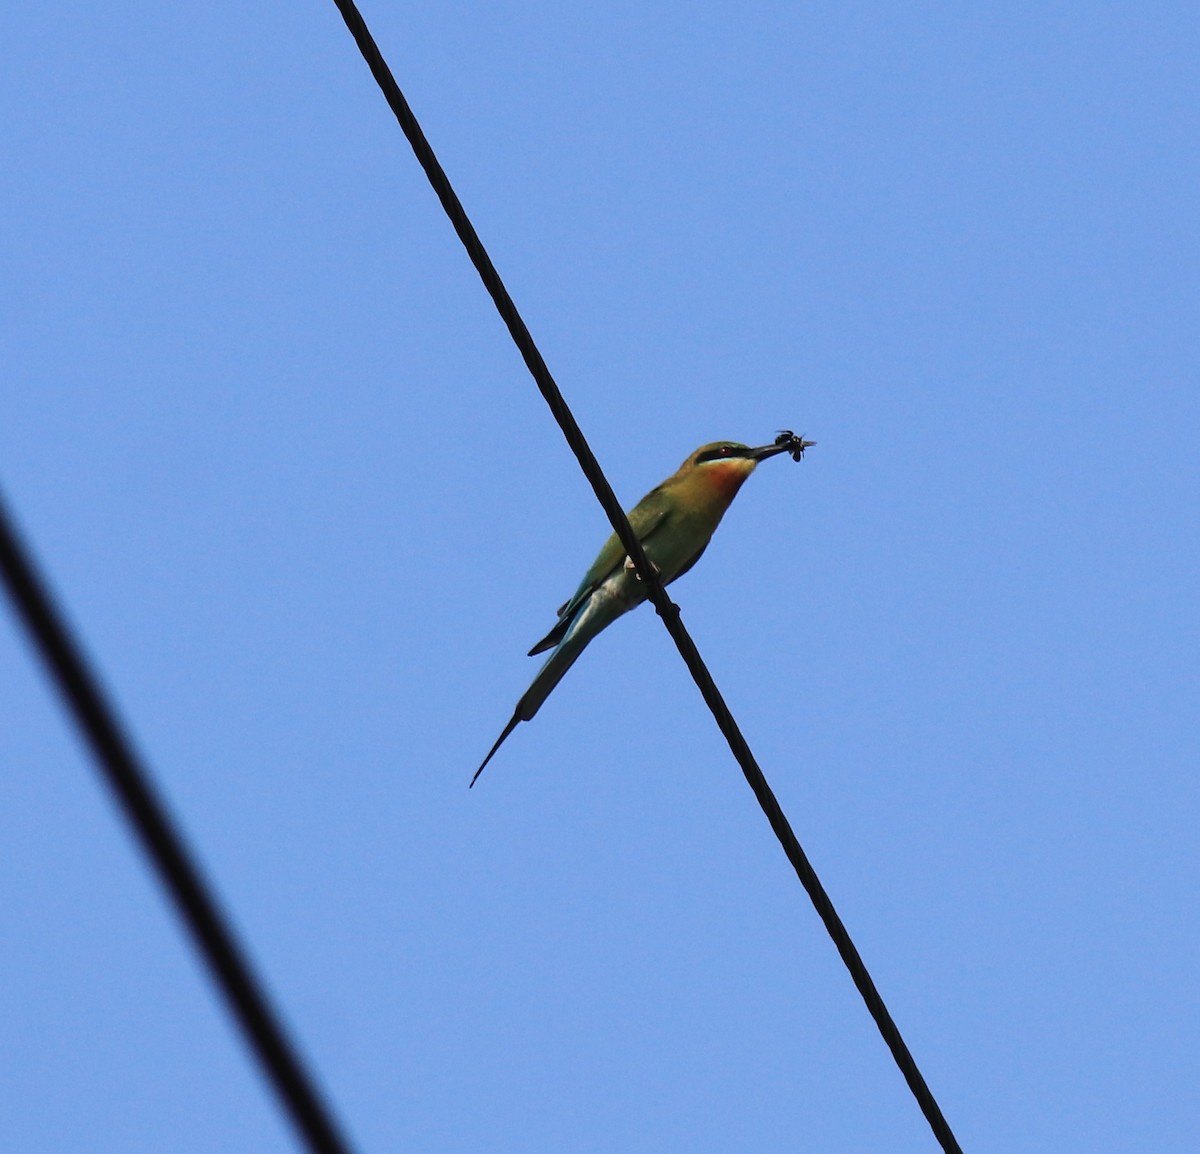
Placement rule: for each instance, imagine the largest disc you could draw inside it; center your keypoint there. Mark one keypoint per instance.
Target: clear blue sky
(268, 437)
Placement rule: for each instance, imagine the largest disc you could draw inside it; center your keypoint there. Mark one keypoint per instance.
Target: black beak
(786, 442)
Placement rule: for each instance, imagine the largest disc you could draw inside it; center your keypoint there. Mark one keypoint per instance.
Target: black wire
(128, 779)
(667, 610)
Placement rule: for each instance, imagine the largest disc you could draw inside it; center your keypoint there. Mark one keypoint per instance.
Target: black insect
(795, 445)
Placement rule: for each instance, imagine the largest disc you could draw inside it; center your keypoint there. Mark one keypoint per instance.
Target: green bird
(674, 523)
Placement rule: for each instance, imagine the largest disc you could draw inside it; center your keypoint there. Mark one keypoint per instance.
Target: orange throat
(726, 478)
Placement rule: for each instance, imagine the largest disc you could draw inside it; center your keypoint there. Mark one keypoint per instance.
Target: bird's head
(720, 465)
(726, 464)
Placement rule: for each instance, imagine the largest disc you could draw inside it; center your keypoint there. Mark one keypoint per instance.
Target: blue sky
(285, 469)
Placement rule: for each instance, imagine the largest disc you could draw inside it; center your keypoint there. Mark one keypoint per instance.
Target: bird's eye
(720, 453)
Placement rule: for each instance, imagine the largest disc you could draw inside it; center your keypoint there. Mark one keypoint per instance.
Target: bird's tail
(550, 674)
(512, 724)
(587, 623)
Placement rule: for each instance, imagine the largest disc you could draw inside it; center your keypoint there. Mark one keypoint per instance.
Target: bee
(795, 445)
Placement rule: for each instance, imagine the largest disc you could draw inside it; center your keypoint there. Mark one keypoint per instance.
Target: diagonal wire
(667, 610)
(114, 754)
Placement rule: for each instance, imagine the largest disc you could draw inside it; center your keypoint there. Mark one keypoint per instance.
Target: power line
(113, 752)
(667, 610)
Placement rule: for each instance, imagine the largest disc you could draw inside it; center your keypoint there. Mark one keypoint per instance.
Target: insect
(793, 444)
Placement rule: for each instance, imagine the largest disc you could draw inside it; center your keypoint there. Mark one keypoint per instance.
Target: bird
(674, 523)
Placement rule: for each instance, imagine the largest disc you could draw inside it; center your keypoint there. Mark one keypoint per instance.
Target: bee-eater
(674, 523)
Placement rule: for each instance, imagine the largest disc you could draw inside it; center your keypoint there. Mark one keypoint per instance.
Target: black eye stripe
(723, 453)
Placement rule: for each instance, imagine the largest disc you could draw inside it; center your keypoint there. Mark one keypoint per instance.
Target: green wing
(649, 515)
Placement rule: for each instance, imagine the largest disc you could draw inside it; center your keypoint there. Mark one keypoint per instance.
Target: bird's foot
(630, 567)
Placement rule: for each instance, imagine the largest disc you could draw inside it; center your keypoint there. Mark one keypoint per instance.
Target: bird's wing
(688, 564)
(649, 515)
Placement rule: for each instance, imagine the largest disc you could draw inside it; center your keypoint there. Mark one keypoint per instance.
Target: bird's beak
(786, 442)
